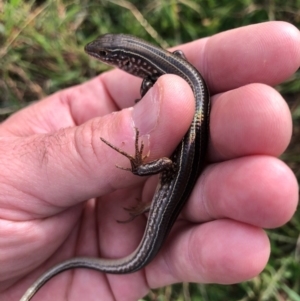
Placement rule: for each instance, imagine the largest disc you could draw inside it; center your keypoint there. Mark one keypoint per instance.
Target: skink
(176, 182)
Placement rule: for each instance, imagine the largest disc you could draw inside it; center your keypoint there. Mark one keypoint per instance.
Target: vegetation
(41, 51)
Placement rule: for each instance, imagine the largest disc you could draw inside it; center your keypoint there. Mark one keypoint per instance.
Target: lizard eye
(102, 53)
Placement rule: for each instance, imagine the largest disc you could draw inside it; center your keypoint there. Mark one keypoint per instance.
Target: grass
(41, 51)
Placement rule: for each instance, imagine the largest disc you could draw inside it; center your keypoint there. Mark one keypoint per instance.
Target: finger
(249, 120)
(258, 190)
(268, 53)
(221, 251)
(73, 165)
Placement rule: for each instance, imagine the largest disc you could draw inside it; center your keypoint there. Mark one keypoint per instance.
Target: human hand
(53, 161)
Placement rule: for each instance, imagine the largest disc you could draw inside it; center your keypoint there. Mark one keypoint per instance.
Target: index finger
(266, 53)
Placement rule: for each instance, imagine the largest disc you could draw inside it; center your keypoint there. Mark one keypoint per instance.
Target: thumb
(55, 171)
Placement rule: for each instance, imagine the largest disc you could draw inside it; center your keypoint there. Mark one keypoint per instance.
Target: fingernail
(146, 112)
